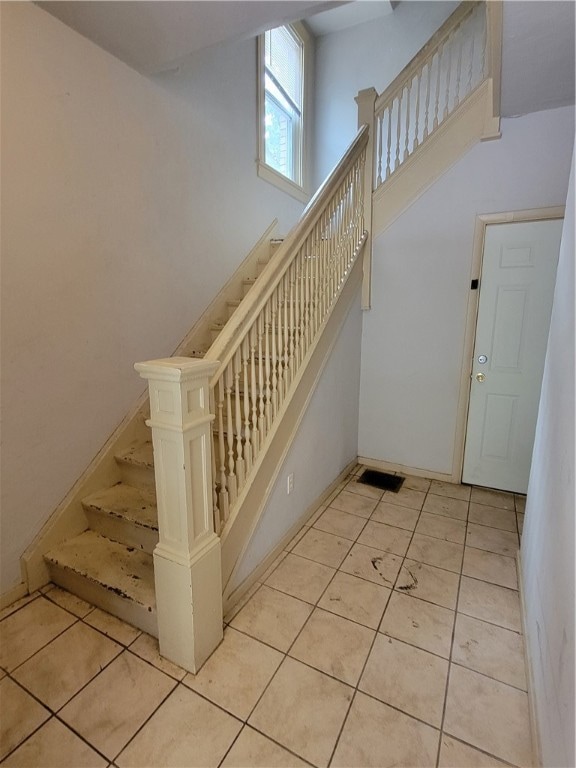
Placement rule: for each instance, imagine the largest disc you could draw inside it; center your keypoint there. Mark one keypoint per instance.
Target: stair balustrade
(212, 419)
(428, 90)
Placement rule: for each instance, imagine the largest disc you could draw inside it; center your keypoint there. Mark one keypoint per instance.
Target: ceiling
(538, 36)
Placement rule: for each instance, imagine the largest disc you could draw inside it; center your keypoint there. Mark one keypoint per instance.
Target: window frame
(298, 188)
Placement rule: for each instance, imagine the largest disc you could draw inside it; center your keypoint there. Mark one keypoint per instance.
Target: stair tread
(136, 505)
(139, 454)
(126, 571)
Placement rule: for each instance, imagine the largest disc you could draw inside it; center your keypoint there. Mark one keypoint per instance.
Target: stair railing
(263, 348)
(429, 89)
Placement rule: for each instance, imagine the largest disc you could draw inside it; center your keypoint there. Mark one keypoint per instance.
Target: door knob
(480, 377)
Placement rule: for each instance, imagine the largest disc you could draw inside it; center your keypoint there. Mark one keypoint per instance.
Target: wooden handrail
(425, 54)
(234, 331)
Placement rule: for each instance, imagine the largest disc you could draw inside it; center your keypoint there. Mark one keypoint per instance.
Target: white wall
(325, 443)
(126, 203)
(367, 55)
(548, 538)
(413, 337)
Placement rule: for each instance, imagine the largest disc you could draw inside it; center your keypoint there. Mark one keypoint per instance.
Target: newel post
(187, 569)
(366, 100)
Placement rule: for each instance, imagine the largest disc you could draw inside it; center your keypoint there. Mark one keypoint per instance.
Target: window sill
(286, 185)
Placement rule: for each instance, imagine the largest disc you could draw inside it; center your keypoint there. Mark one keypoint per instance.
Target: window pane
(284, 60)
(278, 137)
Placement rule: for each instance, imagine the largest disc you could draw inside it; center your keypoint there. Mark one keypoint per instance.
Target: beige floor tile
(501, 499)
(67, 664)
(494, 651)
(55, 745)
(236, 674)
(115, 628)
(493, 517)
(354, 503)
(372, 564)
(442, 527)
(17, 604)
(21, 715)
(323, 547)
(29, 629)
(334, 645)
(392, 514)
(185, 731)
(252, 750)
(405, 497)
(69, 602)
(355, 599)
(303, 710)
(492, 540)
(377, 736)
(405, 677)
(490, 602)
(273, 617)
(452, 490)
(301, 578)
(146, 647)
(385, 537)
(109, 711)
(520, 522)
(443, 554)
(455, 754)
(446, 506)
(487, 566)
(419, 623)
(427, 582)
(340, 524)
(520, 503)
(414, 483)
(489, 715)
(370, 491)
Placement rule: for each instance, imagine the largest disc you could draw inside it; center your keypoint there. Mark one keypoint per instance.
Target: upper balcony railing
(446, 70)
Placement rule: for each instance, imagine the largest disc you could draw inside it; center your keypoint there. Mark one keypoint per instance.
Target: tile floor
(386, 634)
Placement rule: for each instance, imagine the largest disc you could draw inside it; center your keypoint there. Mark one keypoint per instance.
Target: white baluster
(240, 466)
(379, 153)
(459, 65)
(246, 403)
(398, 130)
(261, 396)
(268, 401)
(471, 67)
(416, 129)
(254, 392)
(437, 99)
(389, 141)
(231, 478)
(223, 493)
(449, 72)
(407, 120)
(427, 107)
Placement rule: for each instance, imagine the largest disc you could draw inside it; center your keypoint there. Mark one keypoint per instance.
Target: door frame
(482, 221)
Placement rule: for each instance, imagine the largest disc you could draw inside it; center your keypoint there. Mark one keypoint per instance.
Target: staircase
(110, 564)
(160, 546)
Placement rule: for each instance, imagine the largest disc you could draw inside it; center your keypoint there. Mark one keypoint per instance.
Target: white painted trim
(482, 221)
(283, 183)
(237, 595)
(13, 594)
(532, 711)
(387, 466)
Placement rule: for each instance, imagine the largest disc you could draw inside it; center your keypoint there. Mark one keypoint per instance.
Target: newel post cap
(177, 369)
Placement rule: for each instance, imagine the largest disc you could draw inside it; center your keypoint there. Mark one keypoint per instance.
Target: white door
(516, 294)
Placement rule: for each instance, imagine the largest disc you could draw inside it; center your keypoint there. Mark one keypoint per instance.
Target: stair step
(231, 307)
(275, 244)
(137, 464)
(114, 577)
(125, 514)
(247, 284)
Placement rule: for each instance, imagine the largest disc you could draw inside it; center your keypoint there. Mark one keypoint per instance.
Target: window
(282, 62)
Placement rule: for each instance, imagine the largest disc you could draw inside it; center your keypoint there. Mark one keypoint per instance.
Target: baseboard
(387, 466)
(234, 597)
(9, 597)
(534, 729)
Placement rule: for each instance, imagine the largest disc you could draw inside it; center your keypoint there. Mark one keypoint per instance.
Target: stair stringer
(242, 524)
(471, 122)
(69, 518)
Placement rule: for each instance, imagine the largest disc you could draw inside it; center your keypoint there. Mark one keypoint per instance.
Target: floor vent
(382, 480)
